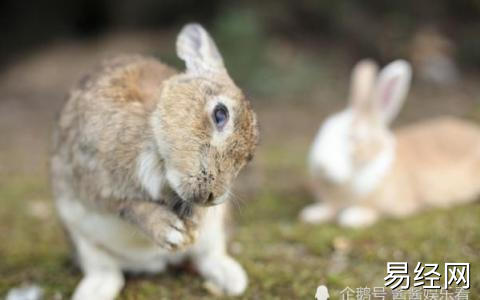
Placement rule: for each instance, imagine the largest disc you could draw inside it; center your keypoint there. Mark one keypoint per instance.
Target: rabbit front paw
(223, 275)
(317, 213)
(99, 285)
(176, 236)
(357, 217)
(159, 223)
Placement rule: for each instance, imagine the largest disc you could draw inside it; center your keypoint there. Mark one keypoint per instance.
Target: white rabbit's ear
(198, 50)
(391, 89)
(362, 80)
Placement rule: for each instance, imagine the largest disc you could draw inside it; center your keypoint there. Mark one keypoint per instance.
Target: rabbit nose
(210, 198)
(206, 199)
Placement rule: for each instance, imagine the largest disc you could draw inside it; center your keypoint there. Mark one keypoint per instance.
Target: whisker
(236, 201)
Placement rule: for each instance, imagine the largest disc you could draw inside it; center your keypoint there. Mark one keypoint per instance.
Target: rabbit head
(204, 127)
(355, 146)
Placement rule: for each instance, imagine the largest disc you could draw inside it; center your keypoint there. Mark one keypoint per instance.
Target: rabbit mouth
(182, 208)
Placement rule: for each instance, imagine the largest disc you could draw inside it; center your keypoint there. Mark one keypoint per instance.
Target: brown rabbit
(143, 159)
(362, 170)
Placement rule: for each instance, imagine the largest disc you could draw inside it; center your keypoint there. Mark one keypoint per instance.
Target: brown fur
(104, 126)
(196, 152)
(437, 165)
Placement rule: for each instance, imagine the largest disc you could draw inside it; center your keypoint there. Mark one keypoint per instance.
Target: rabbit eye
(220, 116)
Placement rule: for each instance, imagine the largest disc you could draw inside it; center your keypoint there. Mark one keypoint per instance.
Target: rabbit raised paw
(142, 165)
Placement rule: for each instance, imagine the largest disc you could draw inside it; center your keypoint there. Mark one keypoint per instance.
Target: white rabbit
(361, 170)
(143, 161)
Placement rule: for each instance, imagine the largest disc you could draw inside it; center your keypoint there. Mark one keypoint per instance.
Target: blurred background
(293, 59)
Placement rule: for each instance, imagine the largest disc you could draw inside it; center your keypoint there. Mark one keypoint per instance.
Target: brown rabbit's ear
(198, 50)
(362, 79)
(391, 89)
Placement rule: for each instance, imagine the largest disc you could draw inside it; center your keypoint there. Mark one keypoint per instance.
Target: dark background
(368, 28)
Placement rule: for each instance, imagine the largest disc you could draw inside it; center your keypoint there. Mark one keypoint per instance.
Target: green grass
(284, 259)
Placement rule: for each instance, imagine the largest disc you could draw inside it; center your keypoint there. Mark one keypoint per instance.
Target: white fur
(175, 237)
(149, 174)
(198, 50)
(389, 98)
(224, 272)
(174, 179)
(331, 151)
(132, 251)
(103, 279)
(369, 177)
(99, 285)
(171, 175)
(357, 217)
(362, 80)
(317, 213)
(210, 257)
(331, 155)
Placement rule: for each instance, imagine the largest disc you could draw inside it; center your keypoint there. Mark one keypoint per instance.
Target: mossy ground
(284, 258)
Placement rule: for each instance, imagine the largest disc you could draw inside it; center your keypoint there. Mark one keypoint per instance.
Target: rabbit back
(444, 157)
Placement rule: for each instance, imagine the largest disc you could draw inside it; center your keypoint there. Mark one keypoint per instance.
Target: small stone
(341, 244)
(58, 296)
(25, 292)
(39, 209)
(236, 248)
(322, 293)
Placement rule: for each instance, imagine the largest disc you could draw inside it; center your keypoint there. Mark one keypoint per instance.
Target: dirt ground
(284, 259)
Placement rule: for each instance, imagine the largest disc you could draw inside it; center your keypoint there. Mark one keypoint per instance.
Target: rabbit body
(142, 161)
(361, 170)
(436, 165)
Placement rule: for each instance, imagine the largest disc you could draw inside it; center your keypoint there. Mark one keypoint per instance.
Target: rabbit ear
(391, 89)
(198, 50)
(362, 81)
